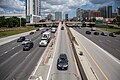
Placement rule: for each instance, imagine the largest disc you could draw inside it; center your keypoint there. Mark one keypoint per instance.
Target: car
(62, 62)
(62, 28)
(26, 41)
(53, 30)
(31, 33)
(21, 39)
(43, 43)
(28, 46)
(112, 34)
(88, 32)
(102, 33)
(93, 28)
(96, 33)
(37, 29)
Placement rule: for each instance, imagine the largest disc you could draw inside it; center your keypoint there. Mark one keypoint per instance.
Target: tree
(118, 20)
(2, 21)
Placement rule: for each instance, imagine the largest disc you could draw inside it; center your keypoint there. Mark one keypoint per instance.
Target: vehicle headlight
(65, 65)
(59, 65)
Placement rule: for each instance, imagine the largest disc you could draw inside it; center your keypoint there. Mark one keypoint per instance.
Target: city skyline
(67, 6)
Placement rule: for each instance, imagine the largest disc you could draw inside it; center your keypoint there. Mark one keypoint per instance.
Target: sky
(66, 6)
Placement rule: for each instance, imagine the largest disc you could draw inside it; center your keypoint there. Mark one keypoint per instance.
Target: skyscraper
(106, 11)
(79, 13)
(66, 17)
(33, 8)
(58, 15)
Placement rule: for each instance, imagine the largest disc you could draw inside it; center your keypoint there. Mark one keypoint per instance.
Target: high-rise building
(66, 17)
(106, 11)
(118, 11)
(33, 8)
(58, 16)
(79, 13)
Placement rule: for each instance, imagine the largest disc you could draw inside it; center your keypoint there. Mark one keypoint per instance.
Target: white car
(53, 30)
(93, 28)
(26, 41)
(43, 43)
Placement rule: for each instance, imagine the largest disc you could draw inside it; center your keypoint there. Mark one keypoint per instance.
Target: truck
(46, 36)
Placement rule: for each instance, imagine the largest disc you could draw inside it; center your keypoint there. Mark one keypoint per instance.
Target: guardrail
(72, 39)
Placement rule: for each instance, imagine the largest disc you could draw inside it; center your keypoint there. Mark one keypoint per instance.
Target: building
(94, 13)
(118, 11)
(49, 17)
(33, 8)
(106, 11)
(58, 16)
(11, 15)
(79, 13)
(66, 17)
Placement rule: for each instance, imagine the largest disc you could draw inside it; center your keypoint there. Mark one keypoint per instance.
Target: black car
(31, 33)
(21, 39)
(28, 46)
(112, 34)
(88, 32)
(62, 62)
(62, 28)
(96, 33)
(102, 33)
(37, 29)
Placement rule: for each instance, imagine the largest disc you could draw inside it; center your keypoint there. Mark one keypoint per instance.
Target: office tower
(66, 17)
(79, 13)
(58, 15)
(33, 8)
(106, 11)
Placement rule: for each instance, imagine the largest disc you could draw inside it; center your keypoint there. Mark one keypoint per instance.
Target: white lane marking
(118, 50)
(116, 40)
(54, 52)
(6, 52)
(9, 58)
(14, 43)
(108, 40)
(100, 41)
(111, 56)
(13, 48)
(9, 50)
(14, 55)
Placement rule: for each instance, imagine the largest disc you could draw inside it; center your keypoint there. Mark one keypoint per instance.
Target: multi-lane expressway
(105, 64)
(16, 64)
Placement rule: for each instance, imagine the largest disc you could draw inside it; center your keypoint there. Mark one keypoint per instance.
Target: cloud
(12, 4)
(51, 6)
(100, 1)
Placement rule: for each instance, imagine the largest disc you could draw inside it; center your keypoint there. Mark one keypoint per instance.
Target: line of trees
(11, 22)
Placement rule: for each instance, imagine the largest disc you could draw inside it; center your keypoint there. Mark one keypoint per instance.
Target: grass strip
(14, 32)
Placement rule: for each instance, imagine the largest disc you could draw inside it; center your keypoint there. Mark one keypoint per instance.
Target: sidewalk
(13, 37)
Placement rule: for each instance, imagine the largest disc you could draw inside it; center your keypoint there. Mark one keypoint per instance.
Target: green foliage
(118, 20)
(92, 20)
(11, 22)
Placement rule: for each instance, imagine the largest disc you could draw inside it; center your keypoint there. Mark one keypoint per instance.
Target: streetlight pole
(20, 21)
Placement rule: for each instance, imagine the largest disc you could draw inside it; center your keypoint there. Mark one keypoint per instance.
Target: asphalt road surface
(64, 46)
(110, 44)
(105, 66)
(16, 63)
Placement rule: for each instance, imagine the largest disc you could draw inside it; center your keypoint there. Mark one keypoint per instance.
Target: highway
(110, 44)
(16, 63)
(105, 66)
(63, 46)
